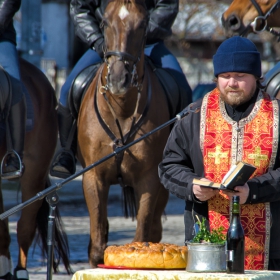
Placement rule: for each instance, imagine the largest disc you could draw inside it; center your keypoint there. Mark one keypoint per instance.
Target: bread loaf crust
(146, 255)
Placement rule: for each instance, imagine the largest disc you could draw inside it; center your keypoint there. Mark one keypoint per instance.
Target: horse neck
(123, 105)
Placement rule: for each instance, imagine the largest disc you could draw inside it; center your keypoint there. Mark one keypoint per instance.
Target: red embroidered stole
(224, 142)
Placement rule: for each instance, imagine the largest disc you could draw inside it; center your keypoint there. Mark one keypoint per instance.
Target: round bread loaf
(146, 255)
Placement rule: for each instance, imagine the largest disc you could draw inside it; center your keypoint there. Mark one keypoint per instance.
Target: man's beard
(237, 100)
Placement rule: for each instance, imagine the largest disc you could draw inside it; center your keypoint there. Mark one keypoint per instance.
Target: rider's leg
(17, 116)
(16, 119)
(63, 164)
(162, 57)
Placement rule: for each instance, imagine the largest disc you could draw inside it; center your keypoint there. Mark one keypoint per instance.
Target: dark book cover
(237, 176)
(240, 175)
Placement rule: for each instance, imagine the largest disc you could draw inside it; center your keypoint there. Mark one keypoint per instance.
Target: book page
(209, 184)
(229, 172)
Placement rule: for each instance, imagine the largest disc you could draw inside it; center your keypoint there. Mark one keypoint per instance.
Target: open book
(238, 175)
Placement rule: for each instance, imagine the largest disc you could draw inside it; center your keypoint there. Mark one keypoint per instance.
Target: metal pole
(52, 197)
(52, 200)
(49, 190)
(31, 31)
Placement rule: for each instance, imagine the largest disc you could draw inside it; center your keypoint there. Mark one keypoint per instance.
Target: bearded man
(237, 121)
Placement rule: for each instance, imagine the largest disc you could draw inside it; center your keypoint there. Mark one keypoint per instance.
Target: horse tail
(129, 202)
(61, 247)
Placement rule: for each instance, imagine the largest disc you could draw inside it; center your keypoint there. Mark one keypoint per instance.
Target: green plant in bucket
(205, 236)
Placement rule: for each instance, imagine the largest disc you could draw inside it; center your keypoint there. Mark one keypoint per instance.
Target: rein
(129, 62)
(125, 57)
(135, 125)
(261, 20)
(128, 192)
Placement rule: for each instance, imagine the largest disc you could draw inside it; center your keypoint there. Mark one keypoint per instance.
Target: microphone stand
(52, 197)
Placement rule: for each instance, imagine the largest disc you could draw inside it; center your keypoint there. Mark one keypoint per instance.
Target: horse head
(125, 24)
(247, 16)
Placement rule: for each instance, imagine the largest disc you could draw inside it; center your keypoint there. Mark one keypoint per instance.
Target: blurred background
(46, 38)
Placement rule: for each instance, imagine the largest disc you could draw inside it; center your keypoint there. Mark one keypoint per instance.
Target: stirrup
(15, 174)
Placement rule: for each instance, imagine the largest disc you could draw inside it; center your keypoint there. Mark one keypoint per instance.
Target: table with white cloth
(118, 274)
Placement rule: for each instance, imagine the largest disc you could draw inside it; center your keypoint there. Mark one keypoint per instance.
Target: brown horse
(123, 102)
(245, 16)
(40, 144)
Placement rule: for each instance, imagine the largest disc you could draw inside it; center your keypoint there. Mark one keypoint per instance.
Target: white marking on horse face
(123, 13)
(6, 265)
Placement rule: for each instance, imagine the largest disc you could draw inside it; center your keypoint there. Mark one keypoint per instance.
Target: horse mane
(126, 2)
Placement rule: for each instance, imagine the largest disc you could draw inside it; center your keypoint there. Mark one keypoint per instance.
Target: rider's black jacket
(8, 8)
(87, 16)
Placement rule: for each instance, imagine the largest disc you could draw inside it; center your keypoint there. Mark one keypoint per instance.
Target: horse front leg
(156, 230)
(6, 264)
(5, 240)
(26, 229)
(149, 226)
(96, 196)
(31, 184)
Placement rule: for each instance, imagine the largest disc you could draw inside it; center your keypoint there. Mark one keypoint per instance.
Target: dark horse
(123, 102)
(40, 144)
(246, 16)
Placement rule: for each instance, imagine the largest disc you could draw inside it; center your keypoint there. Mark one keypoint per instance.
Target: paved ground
(76, 222)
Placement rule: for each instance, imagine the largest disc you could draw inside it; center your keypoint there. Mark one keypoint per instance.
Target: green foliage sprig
(205, 236)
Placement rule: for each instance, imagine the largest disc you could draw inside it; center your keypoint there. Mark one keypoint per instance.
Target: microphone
(189, 109)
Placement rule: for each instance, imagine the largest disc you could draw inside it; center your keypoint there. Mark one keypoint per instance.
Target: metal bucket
(206, 257)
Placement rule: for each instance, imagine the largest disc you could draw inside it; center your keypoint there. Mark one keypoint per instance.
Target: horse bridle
(261, 20)
(135, 125)
(125, 57)
(135, 82)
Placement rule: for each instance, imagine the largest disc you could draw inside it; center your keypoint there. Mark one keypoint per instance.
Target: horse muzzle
(119, 78)
(234, 26)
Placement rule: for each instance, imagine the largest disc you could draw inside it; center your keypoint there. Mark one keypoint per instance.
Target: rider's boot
(64, 163)
(13, 166)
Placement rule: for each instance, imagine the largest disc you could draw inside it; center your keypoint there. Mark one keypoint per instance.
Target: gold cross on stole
(218, 154)
(257, 156)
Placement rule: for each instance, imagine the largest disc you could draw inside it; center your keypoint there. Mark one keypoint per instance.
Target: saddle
(176, 98)
(79, 87)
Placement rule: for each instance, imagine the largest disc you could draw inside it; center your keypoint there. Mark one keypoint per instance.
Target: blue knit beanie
(237, 54)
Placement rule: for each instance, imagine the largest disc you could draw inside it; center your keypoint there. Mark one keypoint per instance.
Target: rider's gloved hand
(98, 47)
